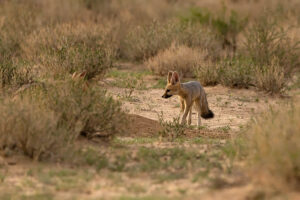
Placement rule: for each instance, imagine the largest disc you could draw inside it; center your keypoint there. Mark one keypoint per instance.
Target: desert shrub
(68, 48)
(198, 36)
(146, 40)
(80, 109)
(235, 72)
(270, 77)
(226, 24)
(265, 39)
(242, 72)
(46, 118)
(14, 72)
(16, 16)
(207, 73)
(26, 127)
(20, 18)
(273, 148)
(178, 58)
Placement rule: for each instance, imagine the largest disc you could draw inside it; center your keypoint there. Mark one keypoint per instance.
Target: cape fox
(189, 93)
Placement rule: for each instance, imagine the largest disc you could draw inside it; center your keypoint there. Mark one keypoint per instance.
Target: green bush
(236, 72)
(227, 25)
(266, 40)
(233, 72)
(242, 72)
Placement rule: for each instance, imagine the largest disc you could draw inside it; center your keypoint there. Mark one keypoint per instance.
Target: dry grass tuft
(207, 73)
(34, 131)
(273, 148)
(270, 78)
(178, 58)
(147, 40)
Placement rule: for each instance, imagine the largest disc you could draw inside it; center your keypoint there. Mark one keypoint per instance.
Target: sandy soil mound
(142, 126)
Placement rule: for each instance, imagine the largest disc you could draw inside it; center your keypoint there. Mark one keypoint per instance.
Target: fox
(189, 93)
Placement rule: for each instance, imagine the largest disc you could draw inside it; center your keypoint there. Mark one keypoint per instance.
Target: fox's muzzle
(166, 96)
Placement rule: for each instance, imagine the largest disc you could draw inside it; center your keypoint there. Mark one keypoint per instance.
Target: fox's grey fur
(189, 93)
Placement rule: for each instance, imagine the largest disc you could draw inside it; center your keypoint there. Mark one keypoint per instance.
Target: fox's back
(193, 88)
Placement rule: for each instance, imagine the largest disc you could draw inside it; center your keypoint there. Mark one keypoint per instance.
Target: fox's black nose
(166, 96)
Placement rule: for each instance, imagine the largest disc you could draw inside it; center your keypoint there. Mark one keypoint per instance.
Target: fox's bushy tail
(206, 113)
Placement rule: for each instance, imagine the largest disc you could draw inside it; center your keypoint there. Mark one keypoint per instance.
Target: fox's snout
(166, 96)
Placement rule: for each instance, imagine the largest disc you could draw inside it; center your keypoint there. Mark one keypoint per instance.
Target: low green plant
(171, 129)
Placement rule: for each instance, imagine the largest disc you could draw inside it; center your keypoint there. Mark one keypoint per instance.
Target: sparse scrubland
(76, 132)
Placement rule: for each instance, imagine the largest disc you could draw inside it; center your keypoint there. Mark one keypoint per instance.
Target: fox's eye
(168, 90)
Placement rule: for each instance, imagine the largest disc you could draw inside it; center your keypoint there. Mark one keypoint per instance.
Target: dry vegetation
(235, 43)
(272, 149)
(180, 58)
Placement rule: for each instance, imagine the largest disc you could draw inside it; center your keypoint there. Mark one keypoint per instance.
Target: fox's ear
(170, 76)
(82, 75)
(175, 78)
(74, 75)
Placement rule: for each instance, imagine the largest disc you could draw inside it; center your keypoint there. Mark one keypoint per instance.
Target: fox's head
(173, 85)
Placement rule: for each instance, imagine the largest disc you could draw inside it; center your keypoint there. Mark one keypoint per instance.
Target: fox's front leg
(188, 105)
(182, 106)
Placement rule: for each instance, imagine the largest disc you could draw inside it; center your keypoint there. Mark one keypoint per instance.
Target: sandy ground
(233, 108)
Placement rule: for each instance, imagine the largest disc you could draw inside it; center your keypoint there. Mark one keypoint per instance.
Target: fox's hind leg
(198, 108)
(190, 116)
